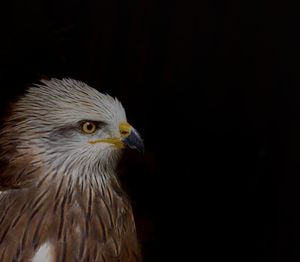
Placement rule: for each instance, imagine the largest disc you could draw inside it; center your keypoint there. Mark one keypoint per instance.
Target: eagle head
(69, 127)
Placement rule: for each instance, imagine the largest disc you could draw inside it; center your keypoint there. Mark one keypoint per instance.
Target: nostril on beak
(125, 129)
(124, 132)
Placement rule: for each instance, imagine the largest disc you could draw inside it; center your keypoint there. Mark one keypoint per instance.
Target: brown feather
(81, 221)
(87, 231)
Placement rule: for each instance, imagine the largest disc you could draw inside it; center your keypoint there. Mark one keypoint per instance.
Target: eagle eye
(89, 127)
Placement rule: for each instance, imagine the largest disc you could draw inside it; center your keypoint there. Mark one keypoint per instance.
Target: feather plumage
(57, 189)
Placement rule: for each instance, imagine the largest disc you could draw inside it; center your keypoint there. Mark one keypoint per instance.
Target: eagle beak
(131, 138)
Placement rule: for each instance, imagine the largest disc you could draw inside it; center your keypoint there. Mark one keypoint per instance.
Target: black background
(212, 86)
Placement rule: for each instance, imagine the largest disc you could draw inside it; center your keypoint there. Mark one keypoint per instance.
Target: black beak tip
(141, 148)
(134, 141)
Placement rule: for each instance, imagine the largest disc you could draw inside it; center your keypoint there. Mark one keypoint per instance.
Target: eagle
(60, 196)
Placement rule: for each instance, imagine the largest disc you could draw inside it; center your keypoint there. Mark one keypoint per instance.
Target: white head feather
(46, 122)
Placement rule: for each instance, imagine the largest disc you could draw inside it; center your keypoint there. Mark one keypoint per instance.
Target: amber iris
(89, 127)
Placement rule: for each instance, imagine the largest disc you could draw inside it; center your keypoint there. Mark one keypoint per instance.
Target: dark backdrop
(213, 88)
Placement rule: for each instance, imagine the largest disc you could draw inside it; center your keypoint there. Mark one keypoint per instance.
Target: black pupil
(89, 126)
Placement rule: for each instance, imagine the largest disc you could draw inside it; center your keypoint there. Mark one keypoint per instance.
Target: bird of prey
(60, 198)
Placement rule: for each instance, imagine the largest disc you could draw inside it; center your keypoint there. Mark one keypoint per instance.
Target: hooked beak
(129, 138)
(134, 141)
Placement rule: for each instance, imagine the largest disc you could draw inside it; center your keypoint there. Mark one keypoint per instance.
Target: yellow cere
(125, 129)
